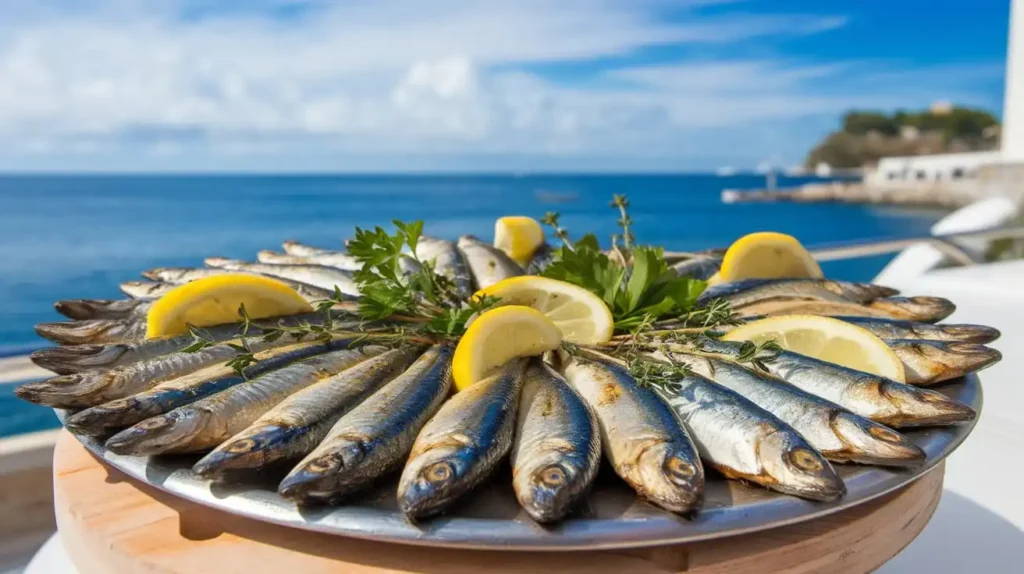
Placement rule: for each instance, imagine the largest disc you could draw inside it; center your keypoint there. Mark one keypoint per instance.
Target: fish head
(672, 475)
(55, 391)
(919, 308)
(796, 468)
(166, 433)
(83, 331)
(435, 478)
(248, 451)
(944, 360)
(915, 406)
(319, 475)
(552, 484)
(69, 359)
(868, 442)
(971, 333)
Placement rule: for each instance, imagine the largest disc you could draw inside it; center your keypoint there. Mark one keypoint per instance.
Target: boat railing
(854, 249)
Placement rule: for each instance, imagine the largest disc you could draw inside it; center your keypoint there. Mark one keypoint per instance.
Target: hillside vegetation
(866, 136)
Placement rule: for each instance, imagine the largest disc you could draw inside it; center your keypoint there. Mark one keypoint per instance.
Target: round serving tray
(612, 517)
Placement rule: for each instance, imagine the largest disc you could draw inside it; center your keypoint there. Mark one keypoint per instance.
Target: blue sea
(79, 236)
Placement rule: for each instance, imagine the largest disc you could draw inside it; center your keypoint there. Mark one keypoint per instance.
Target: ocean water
(79, 236)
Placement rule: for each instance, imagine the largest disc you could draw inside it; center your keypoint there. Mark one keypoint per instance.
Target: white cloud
(447, 77)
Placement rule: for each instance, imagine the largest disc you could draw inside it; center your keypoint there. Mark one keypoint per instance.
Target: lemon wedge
(767, 255)
(215, 301)
(518, 236)
(581, 316)
(827, 339)
(498, 336)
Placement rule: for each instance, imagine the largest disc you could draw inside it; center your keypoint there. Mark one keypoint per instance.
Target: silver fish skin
(880, 399)
(770, 307)
(557, 447)
(749, 291)
(448, 261)
(335, 259)
(698, 267)
(320, 276)
(146, 290)
(292, 247)
(923, 309)
(299, 423)
(540, 260)
(743, 441)
(641, 436)
(462, 444)
(929, 362)
(94, 387)
(835, 432)
(175, 276)
(75, 358)
(86, 309)
(898, 329)
(363, 444)
(208, 422)
(93, 331)
(487, 263)
(165, 396)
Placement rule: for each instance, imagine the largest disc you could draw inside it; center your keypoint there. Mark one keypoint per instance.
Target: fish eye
(552, 476)
(679, 470)
(438, 472)
(244, 445)
(884, 434)
(804, 459)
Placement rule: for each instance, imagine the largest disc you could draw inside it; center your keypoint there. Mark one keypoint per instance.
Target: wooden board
(112, 524)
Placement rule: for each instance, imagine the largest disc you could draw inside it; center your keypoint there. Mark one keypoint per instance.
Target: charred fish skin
(462, 444)
(930, 362)
(835, 432)
(744, 441)
(363, 444)
(448, 261)
(748, 291)
(86, 309)
(557, 447)
(921, 308)
(880, 399)
(319, 276)
(101, 419)
(210, 421)
(93, 331)
(487, 263)
(641, 436)
(900, 329)
(299, 423)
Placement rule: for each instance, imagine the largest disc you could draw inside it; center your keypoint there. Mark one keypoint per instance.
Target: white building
(1001, 169)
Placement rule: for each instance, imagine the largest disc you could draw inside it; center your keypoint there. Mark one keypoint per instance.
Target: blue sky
(455, 85)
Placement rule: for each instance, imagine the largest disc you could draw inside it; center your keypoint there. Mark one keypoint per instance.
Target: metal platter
(612, 518)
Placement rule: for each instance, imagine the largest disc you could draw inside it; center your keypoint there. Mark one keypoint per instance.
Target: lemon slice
(827, 339)
(215, 301)
(518, 236)
(581, 316)
(767, 255)
(498, 336)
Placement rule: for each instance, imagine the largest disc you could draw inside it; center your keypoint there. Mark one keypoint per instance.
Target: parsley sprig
(635, 282)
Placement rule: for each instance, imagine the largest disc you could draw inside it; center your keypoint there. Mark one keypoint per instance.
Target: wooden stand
(111, 524)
